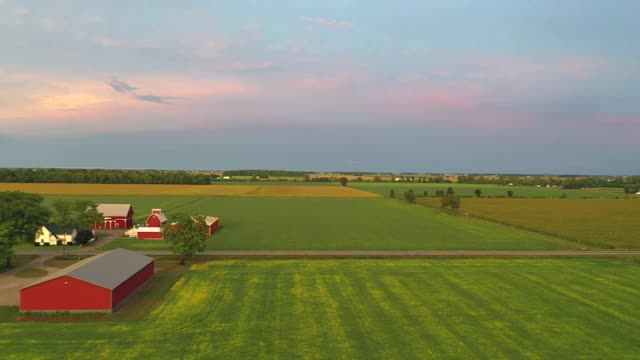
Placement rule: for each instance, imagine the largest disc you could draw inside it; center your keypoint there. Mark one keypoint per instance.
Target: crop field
(346, 309)
(189, 190)
(331, 224)
(606, 223)
(488, 190)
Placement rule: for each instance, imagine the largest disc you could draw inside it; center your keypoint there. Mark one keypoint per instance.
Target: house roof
(149, 229)
(56, 230)
(209, 220)
(114, 209)
(107, 270)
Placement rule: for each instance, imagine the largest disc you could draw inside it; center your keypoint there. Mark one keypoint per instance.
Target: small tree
(187, 236)
(478, 192)
(510, 193)
(392, 193)
(426, 193)
(7, 242)
(344, 181)
(451, 202)
(90, 216)
(410, 196)
(450, 191)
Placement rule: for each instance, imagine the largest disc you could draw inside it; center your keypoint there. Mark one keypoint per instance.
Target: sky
(475, 86)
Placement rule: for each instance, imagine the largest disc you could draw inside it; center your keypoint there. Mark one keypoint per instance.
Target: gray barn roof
(107, 270)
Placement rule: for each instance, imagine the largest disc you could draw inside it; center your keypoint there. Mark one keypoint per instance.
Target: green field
(332, 224)
(347, 309)
(487, 190)
(606, 223)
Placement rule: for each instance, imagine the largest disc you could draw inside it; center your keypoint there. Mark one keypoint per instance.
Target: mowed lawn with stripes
(346, 309)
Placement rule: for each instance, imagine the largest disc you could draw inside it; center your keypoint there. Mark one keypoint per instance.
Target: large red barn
(98, 283)
(156, 219)
(116, 216)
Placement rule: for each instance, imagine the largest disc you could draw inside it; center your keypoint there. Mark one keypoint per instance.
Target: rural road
(371, 253)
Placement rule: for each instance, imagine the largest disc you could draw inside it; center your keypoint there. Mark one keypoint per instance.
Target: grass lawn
(340, 224)
(487, 190)
(605, 223)
(391, 309)
(31, 273)
(64, 261)
(17, 261)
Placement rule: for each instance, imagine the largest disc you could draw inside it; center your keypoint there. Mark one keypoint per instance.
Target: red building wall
(65, 293)
(150, 235)
(214, 227)
(153, 221)
(126, 288)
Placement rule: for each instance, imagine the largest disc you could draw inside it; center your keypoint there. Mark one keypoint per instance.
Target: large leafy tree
(186, 236)
(77, 214)
(20, 216)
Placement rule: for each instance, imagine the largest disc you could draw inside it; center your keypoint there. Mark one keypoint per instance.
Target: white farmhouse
(50, 234)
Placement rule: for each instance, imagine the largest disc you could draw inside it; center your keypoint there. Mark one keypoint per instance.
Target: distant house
(51, 234)
(638, 193)
(157, 218)
(116, 216)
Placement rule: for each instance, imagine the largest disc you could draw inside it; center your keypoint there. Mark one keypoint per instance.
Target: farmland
(606, 223)
(488, 190)
(394, 309)
(189, 190)
(331, 224)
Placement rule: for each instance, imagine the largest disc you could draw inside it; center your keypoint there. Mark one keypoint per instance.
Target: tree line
(102, 176)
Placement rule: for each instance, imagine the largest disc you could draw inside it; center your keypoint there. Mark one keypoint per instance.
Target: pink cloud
(321, 82)
(334, 24)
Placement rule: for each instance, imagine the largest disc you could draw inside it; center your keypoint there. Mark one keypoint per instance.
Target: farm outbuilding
(149, 233)
(213, 223)
(156, 219)
(116, 216)
(99, 283)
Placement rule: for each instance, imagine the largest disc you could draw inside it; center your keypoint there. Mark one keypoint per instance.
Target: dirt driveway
(10, 285)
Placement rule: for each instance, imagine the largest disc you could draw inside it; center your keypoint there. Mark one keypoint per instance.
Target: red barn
(213, 223)
(116, 216)
(149, 233)
(98, 283)
(157, 218)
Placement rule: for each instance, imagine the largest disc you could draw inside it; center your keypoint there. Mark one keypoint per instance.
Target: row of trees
(102, 176)
(264, 174)
(20, 216)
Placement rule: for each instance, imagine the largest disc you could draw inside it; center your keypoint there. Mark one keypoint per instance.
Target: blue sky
(424, 86)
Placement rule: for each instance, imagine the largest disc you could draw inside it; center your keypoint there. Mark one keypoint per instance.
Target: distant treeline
(264, 174)
(102, 176)
(564, 181)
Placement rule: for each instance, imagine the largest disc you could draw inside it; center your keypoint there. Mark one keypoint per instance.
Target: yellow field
(605, 223)
(188, 190)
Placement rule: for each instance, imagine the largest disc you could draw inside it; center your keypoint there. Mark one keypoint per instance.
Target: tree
(450, 191)
(20, 216)
(187, 237)
(451, 202)
(344, 181)
(63, 211)
(410, 196)
(478, 192)
(425, 193)
(392, 193)
(90, 216)
(510, 193)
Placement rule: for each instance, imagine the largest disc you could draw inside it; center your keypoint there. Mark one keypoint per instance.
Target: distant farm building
(213, 223)
(99, 283)
(157, 218)
(149, 233)
(116, 216)
(51, 234)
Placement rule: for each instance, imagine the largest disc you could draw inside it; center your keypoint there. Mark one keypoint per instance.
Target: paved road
(372, 253)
